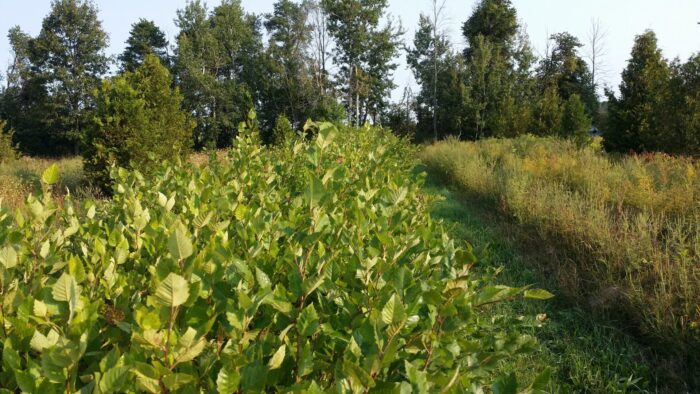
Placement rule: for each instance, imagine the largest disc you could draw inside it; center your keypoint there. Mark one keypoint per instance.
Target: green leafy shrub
(8, 152)
(305, 268)
(138, 122)
(282, 132)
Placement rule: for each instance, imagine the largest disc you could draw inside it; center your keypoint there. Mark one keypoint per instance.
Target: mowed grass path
(585, 356)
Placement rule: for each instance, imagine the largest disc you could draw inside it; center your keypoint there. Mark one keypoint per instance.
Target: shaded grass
(585, 356)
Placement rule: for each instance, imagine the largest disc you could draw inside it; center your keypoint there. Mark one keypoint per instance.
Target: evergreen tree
(496, 21)
(683, 108)
(282, 132)
(68, 59)
(549, 113)
(566, 69)
(138, 121)
(499, 83)
(637, 118)
(575, 122)
(145, 38)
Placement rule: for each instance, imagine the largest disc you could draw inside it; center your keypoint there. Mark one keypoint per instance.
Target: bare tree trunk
(357, 97)
(596, 51)
(436, 15)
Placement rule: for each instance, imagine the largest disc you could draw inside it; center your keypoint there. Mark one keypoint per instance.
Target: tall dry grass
(625, 231)
(20, 177)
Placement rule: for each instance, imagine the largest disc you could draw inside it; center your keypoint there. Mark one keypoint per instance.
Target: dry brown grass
(627, 231)
(19, 178)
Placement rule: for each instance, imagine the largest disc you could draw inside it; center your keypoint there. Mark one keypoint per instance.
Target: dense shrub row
(304, 268)
(625, 232)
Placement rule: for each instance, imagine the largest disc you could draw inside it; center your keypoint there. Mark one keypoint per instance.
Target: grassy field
(619, 236)
(584, 356)
(20, 177)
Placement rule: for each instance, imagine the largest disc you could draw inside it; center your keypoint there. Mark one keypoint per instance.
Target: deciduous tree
(364, 53)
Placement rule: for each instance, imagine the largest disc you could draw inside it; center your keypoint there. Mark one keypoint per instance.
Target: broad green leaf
(541, 382)
(492, 294)
(114, 379)
(175, 381)
(147, 378)
(417, 377)
(40, 309)
(505, 385)
(227, 381)
(262, 278)
(358, 374)
(254, 377)
(306, 360)
(66, 289)
(307, 323)
(326, 134)
(179, 244)
(393, 311)
(538, 294)
(314, 191)
(189, 347)
(50, 175)
(40, 341)
(8, 257)
(173, 291)
(277, 359)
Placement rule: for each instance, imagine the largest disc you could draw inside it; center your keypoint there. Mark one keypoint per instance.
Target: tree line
(497, 87)
(220, 63)
(332, 60)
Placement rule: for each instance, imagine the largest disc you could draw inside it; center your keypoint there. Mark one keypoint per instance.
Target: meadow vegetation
(22, 176)
(623, 232)
(309, 267)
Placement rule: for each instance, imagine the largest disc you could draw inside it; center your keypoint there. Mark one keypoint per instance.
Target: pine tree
(548, 113)
(637, 119)
(683, 108)
(575, 123)
(282, 132)
(567, 70)
(497, 22)
(138, 121)
(145, 38)
(289, 81)
(499, 83)
(430, 59)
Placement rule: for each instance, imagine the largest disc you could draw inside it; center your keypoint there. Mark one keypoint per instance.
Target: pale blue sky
(675, 22)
